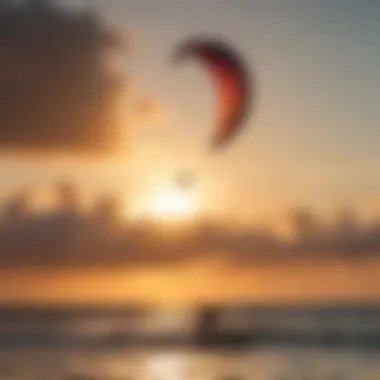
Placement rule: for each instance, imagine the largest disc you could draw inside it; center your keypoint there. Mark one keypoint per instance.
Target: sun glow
(173, 204)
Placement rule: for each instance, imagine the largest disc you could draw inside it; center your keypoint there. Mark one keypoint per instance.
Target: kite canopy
(232, 82)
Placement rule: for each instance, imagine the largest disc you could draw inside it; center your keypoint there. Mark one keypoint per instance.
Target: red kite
(233, 85)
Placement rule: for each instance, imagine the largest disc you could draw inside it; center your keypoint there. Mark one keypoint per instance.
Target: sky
(315, 130)
(311, 143)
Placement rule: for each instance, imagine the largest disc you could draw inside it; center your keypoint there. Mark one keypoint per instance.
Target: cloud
(70, 234)
(57, 93)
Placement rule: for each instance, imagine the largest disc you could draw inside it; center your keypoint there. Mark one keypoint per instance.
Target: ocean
(258, 364)
(78, 345)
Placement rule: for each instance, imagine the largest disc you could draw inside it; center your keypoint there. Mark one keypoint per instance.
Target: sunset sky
(313, 141)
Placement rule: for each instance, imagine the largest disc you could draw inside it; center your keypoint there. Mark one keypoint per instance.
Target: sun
(173, 204)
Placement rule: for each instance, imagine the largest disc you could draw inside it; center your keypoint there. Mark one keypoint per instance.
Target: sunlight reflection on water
(264, 364)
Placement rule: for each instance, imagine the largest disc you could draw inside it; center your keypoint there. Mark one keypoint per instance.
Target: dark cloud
(18, 206)
(70, 234)
(56, 91)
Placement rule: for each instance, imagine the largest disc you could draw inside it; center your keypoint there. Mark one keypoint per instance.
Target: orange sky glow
(211, 281)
